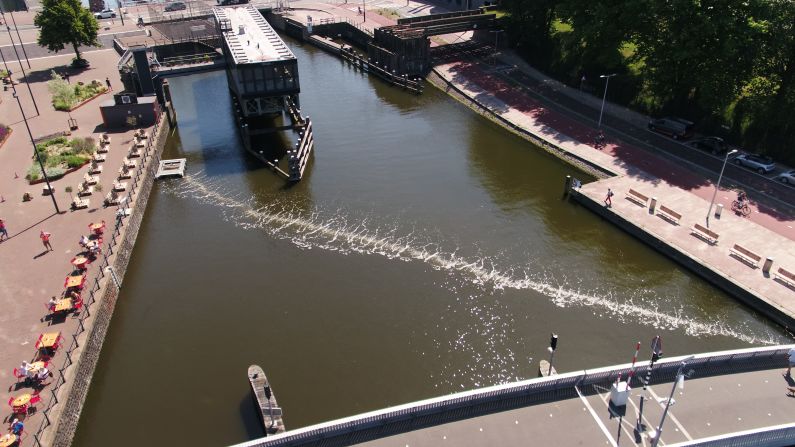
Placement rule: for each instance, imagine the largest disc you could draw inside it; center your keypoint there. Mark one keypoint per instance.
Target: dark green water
(426, 252)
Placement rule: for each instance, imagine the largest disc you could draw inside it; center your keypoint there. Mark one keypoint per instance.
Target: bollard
(767, 266)
(567, 186)
(652, 205)
(718, 210)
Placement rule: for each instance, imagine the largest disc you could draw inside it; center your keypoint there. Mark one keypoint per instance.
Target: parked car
(758, 163)
(716, 145)
(176, 6)
(787, 177)
(105, 14)
(677, 128)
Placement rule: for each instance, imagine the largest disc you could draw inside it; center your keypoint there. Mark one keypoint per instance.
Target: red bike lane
(634, 161)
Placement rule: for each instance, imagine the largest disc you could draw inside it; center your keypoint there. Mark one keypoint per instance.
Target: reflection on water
(426, 251)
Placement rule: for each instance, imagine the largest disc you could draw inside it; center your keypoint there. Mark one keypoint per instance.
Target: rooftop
(250, 38)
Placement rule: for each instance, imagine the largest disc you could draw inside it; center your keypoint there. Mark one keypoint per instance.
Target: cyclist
(742, 197)
(600, 140)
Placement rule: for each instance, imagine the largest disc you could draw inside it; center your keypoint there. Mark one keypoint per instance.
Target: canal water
(427, 251)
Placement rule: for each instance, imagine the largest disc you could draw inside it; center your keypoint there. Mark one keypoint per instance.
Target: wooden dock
(265, 401)
(168, 168)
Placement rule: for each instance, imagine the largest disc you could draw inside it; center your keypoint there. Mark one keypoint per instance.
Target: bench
(113, 198)
(103, 148)
(90, 179)
(80, 203)
(637, 197)
(128, 163)
(669, 214)
(134, 152)
(84, 190)
(95, 168)
(119, 186)
(785, 276)
(705, 233)
(98, 157)
(745, 255)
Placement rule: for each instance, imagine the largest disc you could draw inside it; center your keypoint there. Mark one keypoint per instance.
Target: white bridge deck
(250, 38)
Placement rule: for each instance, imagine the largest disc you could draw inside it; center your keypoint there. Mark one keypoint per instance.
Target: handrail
(487, 400)
(96, 287)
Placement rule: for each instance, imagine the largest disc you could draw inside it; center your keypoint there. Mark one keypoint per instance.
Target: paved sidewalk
(30, 275)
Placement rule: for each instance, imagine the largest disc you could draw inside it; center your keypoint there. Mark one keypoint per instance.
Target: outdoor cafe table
(7, 440)
(75, 281)
(63, 305)
(97, 228)
(35, 366)
(21, 400)
(80, 261)
(48, 340)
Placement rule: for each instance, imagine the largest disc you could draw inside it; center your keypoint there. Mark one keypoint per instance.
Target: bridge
(731, 398)
(404, 48)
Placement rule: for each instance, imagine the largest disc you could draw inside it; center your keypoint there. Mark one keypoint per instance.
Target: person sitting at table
(42, 374)
(83, 240)
(25, 367)
(74, 295)
(16, 427)
(51, 304)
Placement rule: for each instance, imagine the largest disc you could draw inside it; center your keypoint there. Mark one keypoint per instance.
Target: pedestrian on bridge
(791, 361)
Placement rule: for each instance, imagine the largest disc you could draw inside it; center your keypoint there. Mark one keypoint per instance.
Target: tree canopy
(722, 63)
(66, 22)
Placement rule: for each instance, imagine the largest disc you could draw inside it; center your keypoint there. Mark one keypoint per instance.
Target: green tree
(66, 22)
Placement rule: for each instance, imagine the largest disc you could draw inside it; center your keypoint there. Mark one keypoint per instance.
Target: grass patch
(65, 95)
(59, 154)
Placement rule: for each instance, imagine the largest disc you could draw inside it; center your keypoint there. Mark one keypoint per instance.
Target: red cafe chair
(34, 399)
(20, 374)
(38, 341)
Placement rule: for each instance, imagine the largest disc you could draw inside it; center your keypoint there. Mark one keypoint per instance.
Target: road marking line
(71, 54)
(98, 35)
(596, 417)
(673, 418)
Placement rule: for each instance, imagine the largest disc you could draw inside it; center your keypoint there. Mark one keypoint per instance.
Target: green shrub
(52, 161)
(74, 161)
(34, 173)
(83, 145)
(63, 95)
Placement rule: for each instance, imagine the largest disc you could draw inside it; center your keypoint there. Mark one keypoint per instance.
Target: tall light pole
(717, 185)
(680, 381)
(602, 110)
(38, 156)
(496, 43)
(24, 75)
(16, 28)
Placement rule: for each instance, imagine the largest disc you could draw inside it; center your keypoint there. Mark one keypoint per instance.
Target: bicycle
(741, 207)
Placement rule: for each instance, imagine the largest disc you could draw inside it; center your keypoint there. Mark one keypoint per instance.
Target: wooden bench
(705, 233)
(90, 179)
(95, 168)
(669, 214)
(103, 148)
(134, 152)
(745, 255)
(113, 198)
(128, 163)
(84, 190)
(80, 203)
(99, 158)
(119, 186)
(785, 276)
(637, 197)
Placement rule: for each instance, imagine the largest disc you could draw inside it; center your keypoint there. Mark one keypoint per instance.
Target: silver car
(787, 177)
(758, 163)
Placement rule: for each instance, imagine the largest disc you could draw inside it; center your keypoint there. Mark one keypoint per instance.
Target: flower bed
(61, 156)
(5, 133)
(68, 97)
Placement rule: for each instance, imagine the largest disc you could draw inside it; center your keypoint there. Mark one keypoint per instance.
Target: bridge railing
(778, 435)
(473, 403)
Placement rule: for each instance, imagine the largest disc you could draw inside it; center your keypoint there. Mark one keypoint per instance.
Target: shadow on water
(251, 418)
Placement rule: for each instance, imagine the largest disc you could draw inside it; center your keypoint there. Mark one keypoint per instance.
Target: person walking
(3, 231)
(107, 82)
(609, 198)
(45, 239)
(791, 362)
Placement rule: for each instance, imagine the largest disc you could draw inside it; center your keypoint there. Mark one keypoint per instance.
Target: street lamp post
(24, 75)
(717, 185)
(496, 43)
(38, 156)
(16, 28)
(680, 381)
(604, 97)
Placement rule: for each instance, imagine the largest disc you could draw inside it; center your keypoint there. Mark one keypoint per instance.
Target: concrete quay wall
(726, 283)
(60, 424)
